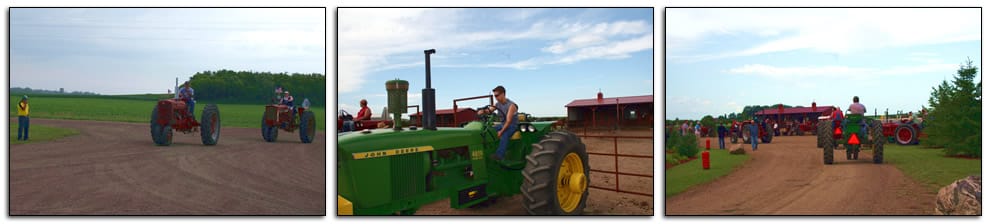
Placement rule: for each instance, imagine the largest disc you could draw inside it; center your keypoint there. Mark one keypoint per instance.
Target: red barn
(616, 112)
(800, 114)
(445, 117)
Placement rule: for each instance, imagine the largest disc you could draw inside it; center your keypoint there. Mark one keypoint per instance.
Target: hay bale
(962, 197)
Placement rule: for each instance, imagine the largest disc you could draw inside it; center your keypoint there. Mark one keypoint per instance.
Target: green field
(40, 133)
(136, 109)
(930, 166)
(681, 177)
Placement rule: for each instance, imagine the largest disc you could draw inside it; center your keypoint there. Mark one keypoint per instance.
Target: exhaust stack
(428, 95)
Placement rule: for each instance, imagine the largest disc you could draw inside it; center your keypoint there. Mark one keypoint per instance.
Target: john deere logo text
(391, 152)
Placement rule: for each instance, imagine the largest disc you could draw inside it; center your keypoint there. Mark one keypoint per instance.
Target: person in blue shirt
(187, 94)
(721, 131)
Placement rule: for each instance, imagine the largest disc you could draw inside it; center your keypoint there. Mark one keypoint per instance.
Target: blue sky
(545, 58)
(719, 60)
(132, 50)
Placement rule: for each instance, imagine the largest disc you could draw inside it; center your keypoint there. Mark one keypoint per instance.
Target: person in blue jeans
(187, 94)
(23, 119)
(754, 134)
(721, 131)
(507, 111)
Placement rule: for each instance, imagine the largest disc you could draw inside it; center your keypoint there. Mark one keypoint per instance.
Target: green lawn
(681, 177)
(40, 133)
(930, 166)
(136, 109)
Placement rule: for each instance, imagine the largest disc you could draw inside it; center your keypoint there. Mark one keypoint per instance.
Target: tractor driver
(186, 93)
(858, 108)
(507, 110)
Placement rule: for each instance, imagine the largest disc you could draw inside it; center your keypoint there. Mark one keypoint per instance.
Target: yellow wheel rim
(571, 182)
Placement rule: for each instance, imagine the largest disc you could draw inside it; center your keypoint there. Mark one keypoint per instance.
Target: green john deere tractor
(849, 132)
(397, 170)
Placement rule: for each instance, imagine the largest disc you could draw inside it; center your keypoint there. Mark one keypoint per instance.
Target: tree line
(954, 118)
(249, 87)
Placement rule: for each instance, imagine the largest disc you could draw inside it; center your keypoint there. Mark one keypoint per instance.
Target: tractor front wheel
(556, 177)
(210, 125)
(160, 134)
(733, 137)
(307, 127)
(269, 132)
(746, 134)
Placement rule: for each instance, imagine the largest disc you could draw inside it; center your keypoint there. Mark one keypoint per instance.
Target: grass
(137, 109)
(40, 133)
(681, 177)
(930, 166)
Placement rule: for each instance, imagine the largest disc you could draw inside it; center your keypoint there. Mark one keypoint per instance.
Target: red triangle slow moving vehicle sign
(853, 140)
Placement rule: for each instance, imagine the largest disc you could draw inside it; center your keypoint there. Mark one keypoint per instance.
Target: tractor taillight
(853, 140)
(838, 133)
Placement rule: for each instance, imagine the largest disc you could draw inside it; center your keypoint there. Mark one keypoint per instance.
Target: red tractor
(903, 132)
(172, 114)
(279, 116)
(764, 132)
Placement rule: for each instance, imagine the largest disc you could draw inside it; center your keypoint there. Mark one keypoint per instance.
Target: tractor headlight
(530, 128)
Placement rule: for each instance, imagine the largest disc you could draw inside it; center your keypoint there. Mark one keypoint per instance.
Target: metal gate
(616, 159)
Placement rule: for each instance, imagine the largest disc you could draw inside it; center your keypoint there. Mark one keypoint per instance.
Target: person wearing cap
(23, 119)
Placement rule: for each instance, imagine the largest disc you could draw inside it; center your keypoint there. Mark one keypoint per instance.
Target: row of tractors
(171, 115)
(834, 131)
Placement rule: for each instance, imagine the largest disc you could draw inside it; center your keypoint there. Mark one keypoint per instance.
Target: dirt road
(114, 168)
(787, 177)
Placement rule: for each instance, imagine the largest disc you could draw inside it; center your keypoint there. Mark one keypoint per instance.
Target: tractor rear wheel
(828, 145)
(905, 134)
(877, 138)
(269, 132)
(210, 125)
(160, 134)
(556, 177)
(825, 133)
(307, 127)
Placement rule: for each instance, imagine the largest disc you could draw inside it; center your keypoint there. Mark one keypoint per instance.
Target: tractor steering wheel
(487, 120)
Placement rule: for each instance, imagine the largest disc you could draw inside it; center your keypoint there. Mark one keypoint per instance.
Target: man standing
(507, 110)
(754, 134)
(23, 121)
(721, 131)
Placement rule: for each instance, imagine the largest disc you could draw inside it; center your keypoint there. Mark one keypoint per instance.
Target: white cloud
(369, 37)
(616, 50)
(838, 31)
(834, 71)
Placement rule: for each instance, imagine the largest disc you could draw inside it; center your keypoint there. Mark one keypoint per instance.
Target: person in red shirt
(364, 111)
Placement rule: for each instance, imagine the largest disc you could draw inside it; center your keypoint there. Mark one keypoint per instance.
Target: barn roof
(796, 110)
(611, 101)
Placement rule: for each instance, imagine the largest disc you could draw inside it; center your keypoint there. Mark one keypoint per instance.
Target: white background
(330, 61)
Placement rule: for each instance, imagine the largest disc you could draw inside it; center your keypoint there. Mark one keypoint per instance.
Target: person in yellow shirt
(23, 121)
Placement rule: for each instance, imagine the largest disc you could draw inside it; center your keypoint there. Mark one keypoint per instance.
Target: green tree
(955, 113)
